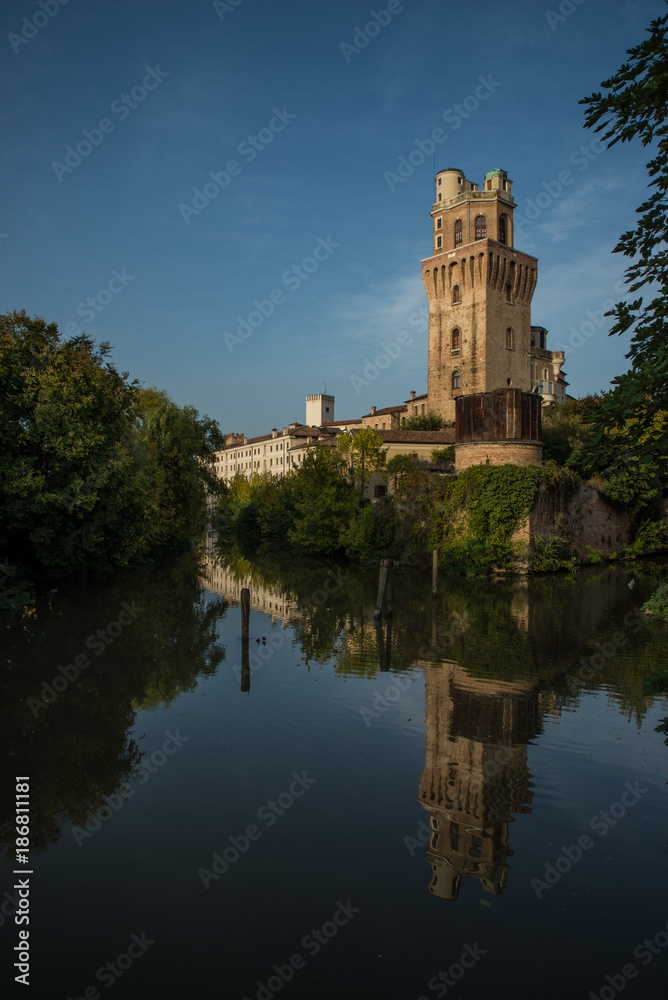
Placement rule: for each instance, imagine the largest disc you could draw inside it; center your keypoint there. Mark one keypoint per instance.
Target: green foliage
(632, 419)
(551, 555)
(371, 532)
(565, 430)
(637, 487)
(594, 556)
(651, 537)
(471, 517)
(359, 455)
(397, 467)
(445, 454)
(657, 682)
(93, 471)
(657, 605)
(423, 422)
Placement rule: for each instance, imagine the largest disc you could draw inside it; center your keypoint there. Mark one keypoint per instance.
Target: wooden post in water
(434, 573)
(388, 591)
(382, 584)
(245, 666)
(245, 612)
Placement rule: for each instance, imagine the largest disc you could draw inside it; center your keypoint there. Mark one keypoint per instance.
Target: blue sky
(303, 120)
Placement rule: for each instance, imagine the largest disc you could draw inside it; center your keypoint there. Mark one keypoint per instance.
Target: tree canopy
(630, 423)
(94, 470)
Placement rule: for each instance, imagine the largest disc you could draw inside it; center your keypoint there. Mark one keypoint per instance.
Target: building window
(549, 388)
(456, 297)
(458, 233)
(424, 407)
(380, 490)
(439, 181)
(540, 386)
(439, 223)
(510, 339)
(439, 242)
(509, 293)
(503, 228)
(456, 380)
(480, 227)
(439, 196)
(455, 340)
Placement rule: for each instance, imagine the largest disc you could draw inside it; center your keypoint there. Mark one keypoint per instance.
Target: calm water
(345, 809)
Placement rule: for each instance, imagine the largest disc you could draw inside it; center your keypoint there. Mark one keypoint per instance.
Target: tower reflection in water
(476, 773)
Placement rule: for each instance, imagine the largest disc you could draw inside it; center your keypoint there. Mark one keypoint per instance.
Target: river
(465, 798)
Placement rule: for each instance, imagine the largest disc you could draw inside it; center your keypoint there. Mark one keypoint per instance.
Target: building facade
(479, 287)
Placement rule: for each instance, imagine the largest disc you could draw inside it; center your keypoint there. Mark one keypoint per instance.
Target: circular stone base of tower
(508, 452)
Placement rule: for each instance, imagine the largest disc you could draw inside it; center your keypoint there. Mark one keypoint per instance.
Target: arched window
(509, 292)
(455, 340)
(510, 339)
(456, 379)
(480, 227)
(458, 233)
(503, 229)
(456, 297)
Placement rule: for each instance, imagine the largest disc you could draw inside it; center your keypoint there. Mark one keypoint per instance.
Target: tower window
(503, 228)
(509, 293)
(455, 340)
(510, 339)
(439, 242)
(480, 227)
(456, 297)
(456, 381)
(439, 181)
(439, 223)
(458, 233)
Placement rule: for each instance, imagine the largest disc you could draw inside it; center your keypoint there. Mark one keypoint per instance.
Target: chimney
(274, 432)
(373, 410)
(412, 393)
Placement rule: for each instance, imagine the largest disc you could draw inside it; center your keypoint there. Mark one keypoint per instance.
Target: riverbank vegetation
(95, 470)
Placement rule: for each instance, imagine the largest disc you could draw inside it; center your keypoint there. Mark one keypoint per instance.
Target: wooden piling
(382, 584)
(245, 612)
(245, 666)
(434, 573)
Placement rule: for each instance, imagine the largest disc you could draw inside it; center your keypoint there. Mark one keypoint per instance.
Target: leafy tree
(70, 492)
(635, 106)
(424, 422)
(398, 467)
(360, 454)
(178, 448)
(326, 502)
(445, 454)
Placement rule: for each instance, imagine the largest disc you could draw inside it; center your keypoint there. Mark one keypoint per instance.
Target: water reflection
(77, 748)
(476, 773)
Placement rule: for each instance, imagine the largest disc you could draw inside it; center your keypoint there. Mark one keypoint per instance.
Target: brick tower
(479, 290)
